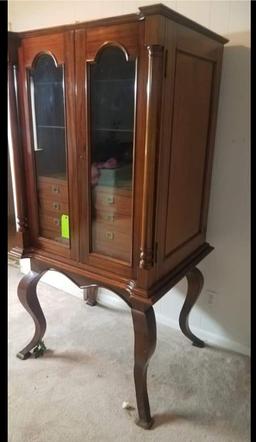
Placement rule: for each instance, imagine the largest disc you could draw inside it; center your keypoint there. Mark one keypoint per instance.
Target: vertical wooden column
(153, 113)
(15, 148)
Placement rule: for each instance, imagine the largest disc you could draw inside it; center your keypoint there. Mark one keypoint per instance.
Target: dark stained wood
(153, 114)
(118, 200)
(52, 188)
(138, 152)
(192, 100)
(167, 282)
(195, 284)
(186, 155)
(28, 298)
(41, 264)
(160, 9)
(144, 325)
(121, 19)
(211, 140)
(145, 12)
(71, 146)
(155, 30)
(81, 139)
(126, 35)
(178, 69)
(53, 205)
(32, 47)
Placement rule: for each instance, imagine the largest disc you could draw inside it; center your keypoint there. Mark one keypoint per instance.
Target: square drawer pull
(55, 189)
(110, 235)
(56, 206)
(109, 218)
(110, 199)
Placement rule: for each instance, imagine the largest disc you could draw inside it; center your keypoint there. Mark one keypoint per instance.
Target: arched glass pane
(49, 140)
(112, 98)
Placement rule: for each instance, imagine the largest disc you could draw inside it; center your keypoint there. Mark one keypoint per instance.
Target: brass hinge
(155, 252)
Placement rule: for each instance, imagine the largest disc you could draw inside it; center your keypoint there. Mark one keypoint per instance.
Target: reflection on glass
(48, 124)
(112, 83)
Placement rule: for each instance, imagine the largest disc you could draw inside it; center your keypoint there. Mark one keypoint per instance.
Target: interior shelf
(113, 80)
(51, 127)
(49, 82)
(106, 129)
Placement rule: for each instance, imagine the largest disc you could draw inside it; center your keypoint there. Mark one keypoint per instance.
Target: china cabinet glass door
(46, 84)
(111, 152)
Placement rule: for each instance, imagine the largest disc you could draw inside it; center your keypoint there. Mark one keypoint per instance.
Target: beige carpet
(74, 393)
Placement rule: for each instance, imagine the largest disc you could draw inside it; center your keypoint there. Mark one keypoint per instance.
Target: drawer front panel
(50, 222)
(104, 249)
(113, 220)
(110, 241)
(54, 235)
(53, 189)
(53, 206)
(117, 201)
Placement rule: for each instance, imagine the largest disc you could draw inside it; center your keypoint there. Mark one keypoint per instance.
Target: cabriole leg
(90, 295)
(144, 324)
(28, 298)
(195, 284)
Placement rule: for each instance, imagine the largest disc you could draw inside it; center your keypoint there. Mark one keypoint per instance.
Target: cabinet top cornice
(144, 11)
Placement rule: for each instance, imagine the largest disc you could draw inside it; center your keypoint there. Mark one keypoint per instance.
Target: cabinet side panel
(192, 99)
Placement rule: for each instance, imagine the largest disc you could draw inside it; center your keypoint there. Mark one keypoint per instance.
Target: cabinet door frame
(88, 43)
(60, 47)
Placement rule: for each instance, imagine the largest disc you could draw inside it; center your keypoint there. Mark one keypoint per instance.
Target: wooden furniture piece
(112, 127)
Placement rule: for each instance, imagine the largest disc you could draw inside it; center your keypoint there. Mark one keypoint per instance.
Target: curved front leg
(90, 295)
(144, 324)
(28, 298)
(195, 284)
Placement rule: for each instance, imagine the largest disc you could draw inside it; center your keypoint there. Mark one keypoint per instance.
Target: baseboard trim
(208, 337)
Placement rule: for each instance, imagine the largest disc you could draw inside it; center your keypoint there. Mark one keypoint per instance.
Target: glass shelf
(113, 80)
(50, 127)
(106, 129)
(50, 82)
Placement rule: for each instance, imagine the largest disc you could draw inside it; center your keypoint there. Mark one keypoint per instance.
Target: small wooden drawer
(119, 200)
(114, 220)
(53, 206)
(52, 188)
(111, 242)
(53, 235)
(50, 222)
(103, 249)
(49, 234)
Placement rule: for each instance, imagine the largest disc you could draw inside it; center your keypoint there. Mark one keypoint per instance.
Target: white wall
(225, 321)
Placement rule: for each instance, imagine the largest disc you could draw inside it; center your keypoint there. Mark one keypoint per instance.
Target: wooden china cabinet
(112, 135)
